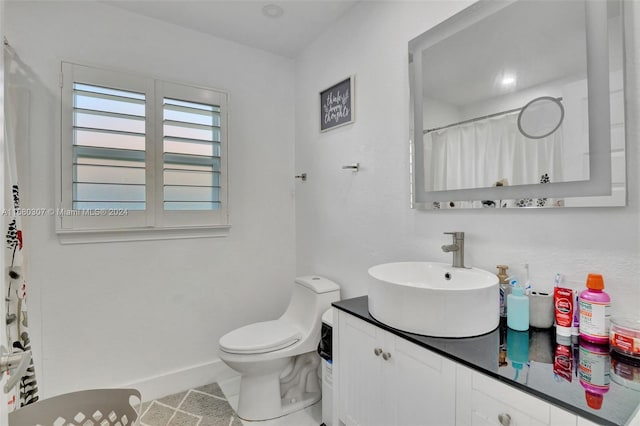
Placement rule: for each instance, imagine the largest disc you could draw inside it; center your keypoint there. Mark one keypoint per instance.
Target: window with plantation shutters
(140, 154)
(108, 148)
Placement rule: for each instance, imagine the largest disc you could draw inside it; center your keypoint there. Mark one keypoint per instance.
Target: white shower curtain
(481, 153)
(16, 131)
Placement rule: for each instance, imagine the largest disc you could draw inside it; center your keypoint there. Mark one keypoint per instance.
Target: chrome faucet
(457, 248)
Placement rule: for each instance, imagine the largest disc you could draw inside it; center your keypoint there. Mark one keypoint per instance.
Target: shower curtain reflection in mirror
(485, 152)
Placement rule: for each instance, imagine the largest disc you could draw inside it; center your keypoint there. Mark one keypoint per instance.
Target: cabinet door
(360, 384)
(386, 380)
(423, 388)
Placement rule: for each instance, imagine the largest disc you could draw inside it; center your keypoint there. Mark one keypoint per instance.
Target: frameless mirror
(520, 104)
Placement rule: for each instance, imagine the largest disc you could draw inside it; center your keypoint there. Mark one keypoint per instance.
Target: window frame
(154, 222)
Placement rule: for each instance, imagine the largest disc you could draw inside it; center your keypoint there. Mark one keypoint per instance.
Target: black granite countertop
(525, 360)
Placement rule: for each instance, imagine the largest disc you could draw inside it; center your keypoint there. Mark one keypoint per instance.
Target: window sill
(140, 234)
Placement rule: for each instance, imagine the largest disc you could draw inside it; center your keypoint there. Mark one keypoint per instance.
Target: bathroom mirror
(520, 104)
(541, 117)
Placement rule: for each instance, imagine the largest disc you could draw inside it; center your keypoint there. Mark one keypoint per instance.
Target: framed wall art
(336, 105)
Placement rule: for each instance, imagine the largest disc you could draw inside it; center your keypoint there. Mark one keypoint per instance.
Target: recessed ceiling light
(508, 80)
(272, 10)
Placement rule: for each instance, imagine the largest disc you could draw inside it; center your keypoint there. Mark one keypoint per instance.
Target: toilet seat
(260, 337)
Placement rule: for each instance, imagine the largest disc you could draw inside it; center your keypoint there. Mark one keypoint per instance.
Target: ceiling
(533, 41)
(243, 21)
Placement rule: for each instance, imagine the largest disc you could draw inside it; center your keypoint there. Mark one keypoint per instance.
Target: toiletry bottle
(505, 289)
(518, 353)
(594, 311)
(518, 313)
(594, 372)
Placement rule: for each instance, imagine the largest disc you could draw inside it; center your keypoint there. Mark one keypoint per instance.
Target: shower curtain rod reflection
(471, 120)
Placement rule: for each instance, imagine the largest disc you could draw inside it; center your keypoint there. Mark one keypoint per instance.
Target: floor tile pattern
(204, 406)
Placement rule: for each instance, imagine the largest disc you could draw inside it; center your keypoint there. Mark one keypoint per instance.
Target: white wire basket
(94, 407)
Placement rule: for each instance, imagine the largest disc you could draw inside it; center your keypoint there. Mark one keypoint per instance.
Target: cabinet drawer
(486, 410)
(494, 398)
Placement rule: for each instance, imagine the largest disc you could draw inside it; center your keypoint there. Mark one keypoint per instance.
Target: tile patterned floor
(204, 406)
(214, 405)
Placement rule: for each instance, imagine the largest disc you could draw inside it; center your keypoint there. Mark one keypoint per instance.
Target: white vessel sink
(434, 299)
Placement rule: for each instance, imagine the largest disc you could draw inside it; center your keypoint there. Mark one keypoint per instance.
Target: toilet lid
(261, 337)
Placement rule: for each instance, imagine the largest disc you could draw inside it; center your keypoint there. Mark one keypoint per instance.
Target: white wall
(348, 222)
(436, 113)
(133, 313)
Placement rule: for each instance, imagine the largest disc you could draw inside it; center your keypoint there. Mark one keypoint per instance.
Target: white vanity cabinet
(385, 380)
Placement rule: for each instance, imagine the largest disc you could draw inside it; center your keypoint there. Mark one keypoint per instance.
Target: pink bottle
(594, 372)
(594, 307)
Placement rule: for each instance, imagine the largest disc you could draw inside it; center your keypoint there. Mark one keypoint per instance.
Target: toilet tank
(317, 284)
(312, 296)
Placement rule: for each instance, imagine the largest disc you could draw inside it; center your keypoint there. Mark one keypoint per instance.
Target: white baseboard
(182, 379)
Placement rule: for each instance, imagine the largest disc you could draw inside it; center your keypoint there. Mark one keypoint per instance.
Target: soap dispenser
(518, 313)
(505, 289)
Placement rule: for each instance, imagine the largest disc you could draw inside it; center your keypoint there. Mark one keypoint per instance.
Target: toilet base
(307, 401)
(269, 396)
(259, 397)
(281, 409)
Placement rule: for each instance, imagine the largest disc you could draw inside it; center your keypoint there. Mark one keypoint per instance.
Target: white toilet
(277, 359)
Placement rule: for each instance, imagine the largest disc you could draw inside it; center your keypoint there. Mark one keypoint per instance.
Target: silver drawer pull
(504, 419)
(377, 351)
(386, 356)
